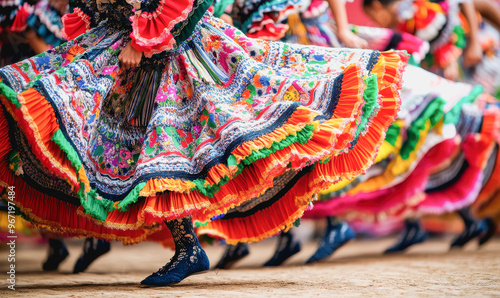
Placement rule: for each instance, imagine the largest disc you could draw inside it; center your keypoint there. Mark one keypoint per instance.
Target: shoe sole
(175, 283)
(232, 263)
(324, 259)
(489, 232)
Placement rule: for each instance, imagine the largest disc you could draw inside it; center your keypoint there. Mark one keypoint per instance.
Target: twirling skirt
(221, 121)
(440, 164)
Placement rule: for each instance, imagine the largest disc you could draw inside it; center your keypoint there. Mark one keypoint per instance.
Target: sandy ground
(357, 269)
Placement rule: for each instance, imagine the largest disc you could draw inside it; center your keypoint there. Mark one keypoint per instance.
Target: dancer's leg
(189, 257)
(413, 234)
(92, 249)
(57, 253)
(337, 234)
(288, 245)
(233, 254)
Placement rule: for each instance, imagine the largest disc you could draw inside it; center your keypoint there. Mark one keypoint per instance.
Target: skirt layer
(220, 121)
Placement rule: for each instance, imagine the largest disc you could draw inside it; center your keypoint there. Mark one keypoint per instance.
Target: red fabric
(75, 24)
(151, 30)
(22, 15)
(269, 30)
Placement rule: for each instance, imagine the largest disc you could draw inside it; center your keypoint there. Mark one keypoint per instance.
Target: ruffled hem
(316, 9)
(489, 191)
(75, 24)
(276, 11)
(46, 22)
(151, 30)
(464, 191)
(268, 30)
(57, 155)
(346, 165)
(393, 201)
(19, 23)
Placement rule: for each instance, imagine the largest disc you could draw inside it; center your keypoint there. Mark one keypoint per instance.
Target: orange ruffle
(361, 157)
(283, 213)
(38, 122)
(37, 119)
(266, 222)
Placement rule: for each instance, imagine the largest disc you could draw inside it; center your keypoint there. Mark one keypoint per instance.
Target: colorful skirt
(219, 122)
(316, 26)
(46, 21)
(265, 19)
(434, 169)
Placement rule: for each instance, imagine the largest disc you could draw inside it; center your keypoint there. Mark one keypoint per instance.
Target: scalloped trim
(164, 40)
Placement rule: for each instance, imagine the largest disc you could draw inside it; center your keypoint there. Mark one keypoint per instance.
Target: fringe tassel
(207, 69)
(141, 100)
(216, 72)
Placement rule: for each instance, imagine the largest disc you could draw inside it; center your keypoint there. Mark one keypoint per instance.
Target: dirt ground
(357, 269)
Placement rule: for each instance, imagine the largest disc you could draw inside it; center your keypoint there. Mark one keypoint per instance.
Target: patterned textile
(207, 125)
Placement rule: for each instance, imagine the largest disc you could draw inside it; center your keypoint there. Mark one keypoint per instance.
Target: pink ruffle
(392, 201)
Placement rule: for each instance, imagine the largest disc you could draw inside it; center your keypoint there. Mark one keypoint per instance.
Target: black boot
(92, 249)
(57, 253)
(473, 228)
(336, 235)
(413, 234)
(287, 247)
(233, 254)
(189, 257)
(492, 228)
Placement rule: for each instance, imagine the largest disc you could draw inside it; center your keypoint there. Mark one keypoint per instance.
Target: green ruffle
(454, 114)
(433, 112)
(71, 153)
(9, 94)
(392, 134)
(220, 6)
(184, 30)
(460, 33)
(370, 96)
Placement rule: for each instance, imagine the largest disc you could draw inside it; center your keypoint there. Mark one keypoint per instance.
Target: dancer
(432, 173)
(449, 33)
(270, 22)
(38, 28)
(155, 113)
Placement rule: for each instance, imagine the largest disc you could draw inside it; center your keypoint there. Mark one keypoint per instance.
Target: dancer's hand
(130, 57)
(351, 40)
(473, 54)
(227, 18)
(451, 71)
